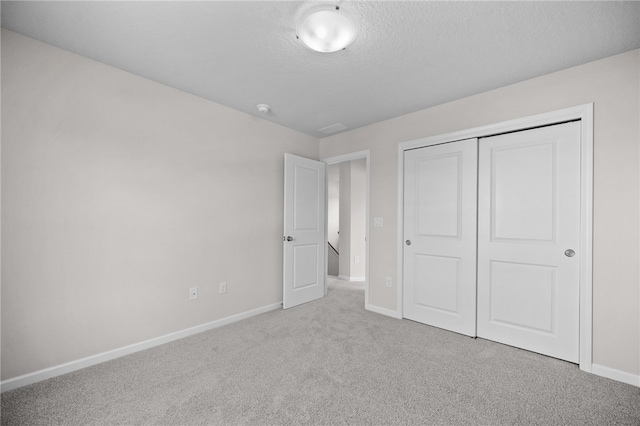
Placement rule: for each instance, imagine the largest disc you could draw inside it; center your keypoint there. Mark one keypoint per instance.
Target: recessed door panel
(440, 283)
(528, 216)
(306, 210)
(440, 236)
(523, 186)
(305, 263)
(438, 183)
(523, 296)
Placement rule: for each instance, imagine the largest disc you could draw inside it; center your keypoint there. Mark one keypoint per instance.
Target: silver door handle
(569, 253)
(408, 242)
(287, 239)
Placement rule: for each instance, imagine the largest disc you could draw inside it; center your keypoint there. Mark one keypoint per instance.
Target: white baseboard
(383, 311)
(68, 367)
(620, 376)
(347, 278)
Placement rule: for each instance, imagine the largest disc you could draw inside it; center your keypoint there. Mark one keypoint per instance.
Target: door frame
(584, 113)
(366, 154)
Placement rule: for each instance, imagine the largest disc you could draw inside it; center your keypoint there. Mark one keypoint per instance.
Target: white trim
(586, 242)
(346, 278)
(383, 311)
(580, 112)
(400, 231)
(568, 114)
(366, 154)
(347, 157)
(613, 374)
(68, 367)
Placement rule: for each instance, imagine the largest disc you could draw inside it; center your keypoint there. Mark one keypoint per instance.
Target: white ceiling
(408, 55)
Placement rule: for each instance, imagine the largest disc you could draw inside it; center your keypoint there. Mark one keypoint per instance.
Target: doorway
(347, 215)
(346, 193)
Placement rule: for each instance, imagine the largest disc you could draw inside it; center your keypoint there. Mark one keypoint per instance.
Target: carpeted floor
(327, 362)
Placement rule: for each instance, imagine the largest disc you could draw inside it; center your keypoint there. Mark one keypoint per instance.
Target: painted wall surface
(333, 217)
(352, 225)
(613, 85)
(344, 268)
(118, 195)
(358, 218)
(333, 205)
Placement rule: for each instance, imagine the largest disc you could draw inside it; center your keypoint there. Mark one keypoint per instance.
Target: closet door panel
(440, 236)
(528, 218)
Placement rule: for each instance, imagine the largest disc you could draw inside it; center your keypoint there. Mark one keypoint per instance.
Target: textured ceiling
(408, 55)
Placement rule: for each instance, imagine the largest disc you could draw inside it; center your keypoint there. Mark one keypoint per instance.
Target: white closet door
(529, 239)
(440, 191)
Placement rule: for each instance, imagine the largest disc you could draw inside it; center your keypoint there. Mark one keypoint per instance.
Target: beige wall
(344, 269)
(333, 217)
(333, 204)
(613, 85)
(353, 187)
(358, 217)
(118, 194)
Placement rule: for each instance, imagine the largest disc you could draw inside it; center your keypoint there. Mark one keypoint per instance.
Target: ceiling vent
(334, 128)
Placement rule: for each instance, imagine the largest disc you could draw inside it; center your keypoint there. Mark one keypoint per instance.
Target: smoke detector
(264, 108)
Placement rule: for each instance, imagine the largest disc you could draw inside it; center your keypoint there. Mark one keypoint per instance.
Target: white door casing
(304, 230)
(440, 190)
(528, 216)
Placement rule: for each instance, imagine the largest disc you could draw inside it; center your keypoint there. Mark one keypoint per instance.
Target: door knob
(569, 253)
(408, 242)
(289, 239)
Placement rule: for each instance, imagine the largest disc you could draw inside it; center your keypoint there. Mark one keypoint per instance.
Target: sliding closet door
(440, 190)
(529, 239)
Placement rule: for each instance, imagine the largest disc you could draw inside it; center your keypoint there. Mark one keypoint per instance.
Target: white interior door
(304, 230)
(529, 239)
(440, 191)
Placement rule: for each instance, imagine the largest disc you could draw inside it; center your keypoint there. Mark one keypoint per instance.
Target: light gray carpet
(327, 362)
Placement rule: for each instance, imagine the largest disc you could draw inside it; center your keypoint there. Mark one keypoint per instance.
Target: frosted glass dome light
(326, 29)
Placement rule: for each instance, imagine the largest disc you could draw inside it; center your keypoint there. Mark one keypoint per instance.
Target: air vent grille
(334, 128)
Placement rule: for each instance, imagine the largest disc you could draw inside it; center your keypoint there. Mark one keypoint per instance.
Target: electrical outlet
(388, 281)
(223, 287)
(193, 293)
(377, 222)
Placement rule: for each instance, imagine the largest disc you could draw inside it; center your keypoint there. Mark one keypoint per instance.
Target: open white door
(304, 230)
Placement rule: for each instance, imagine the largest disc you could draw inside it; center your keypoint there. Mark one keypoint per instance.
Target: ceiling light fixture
(326, 29)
